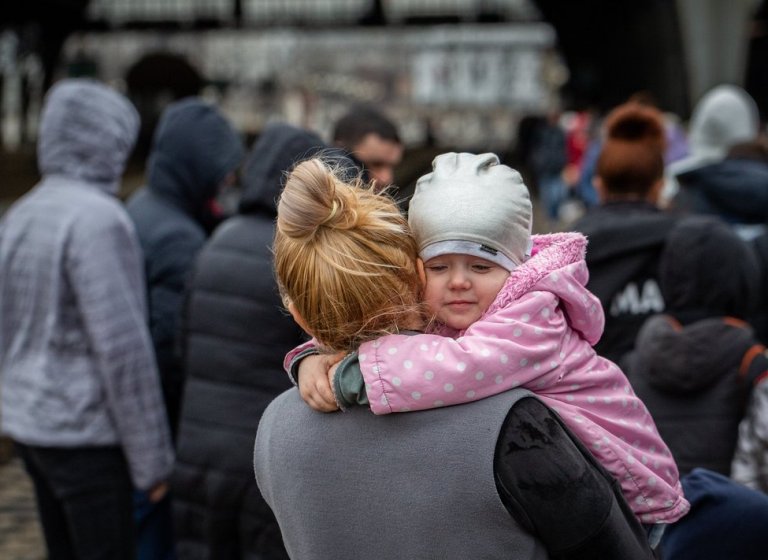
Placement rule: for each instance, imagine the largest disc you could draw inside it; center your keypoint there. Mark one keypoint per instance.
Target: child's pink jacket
(538, 333)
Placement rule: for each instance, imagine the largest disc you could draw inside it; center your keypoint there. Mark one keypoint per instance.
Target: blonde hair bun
(344, 256)
(313, 198)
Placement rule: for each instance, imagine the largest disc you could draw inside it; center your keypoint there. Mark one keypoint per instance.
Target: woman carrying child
(510, 310)
(497, 478)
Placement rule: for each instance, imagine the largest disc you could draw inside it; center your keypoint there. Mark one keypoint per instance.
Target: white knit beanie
(471, 204)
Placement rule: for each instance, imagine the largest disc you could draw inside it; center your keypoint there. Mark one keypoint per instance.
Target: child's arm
(515, 346)
(509, 348)
(348, 383)
(293, 359)
(328, 383)
(314, 374)
(308, 370)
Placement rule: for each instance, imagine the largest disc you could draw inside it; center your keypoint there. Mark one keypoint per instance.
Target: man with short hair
(372, 141)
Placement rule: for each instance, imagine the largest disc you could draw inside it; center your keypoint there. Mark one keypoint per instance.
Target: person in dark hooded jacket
(708, 180)
(627, 230)
(695, 365)
(235, 335)
(715, 179)
(195, 152)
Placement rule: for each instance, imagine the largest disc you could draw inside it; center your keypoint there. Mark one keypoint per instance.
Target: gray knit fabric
(471, 204)
(420, 485)
(75, 355)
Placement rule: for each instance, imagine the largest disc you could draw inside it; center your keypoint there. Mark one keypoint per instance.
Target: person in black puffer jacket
(235, 334)
(195, 153)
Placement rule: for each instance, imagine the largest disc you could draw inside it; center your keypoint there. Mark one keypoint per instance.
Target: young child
(510, 310)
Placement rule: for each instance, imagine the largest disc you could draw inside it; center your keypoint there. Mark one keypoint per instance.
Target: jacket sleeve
(348, 384)
(555, 489)
(293, 359)
(169, 273)
(105, 270)
(501, 351)
(750, 461)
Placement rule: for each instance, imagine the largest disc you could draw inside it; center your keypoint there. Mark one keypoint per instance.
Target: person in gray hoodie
(712, 182)
(715, 180)
(80, 390)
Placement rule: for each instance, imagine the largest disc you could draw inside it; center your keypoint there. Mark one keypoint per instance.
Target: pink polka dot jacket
(538, 333)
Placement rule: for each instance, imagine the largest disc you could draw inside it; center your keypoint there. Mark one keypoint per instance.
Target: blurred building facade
(461, 84)
(457, 73)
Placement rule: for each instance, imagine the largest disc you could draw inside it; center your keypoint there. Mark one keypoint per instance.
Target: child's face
(461, 287)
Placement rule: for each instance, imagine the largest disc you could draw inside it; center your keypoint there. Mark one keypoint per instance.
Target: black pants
(84, 499)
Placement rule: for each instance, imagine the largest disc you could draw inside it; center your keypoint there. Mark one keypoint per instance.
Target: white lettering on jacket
(633, 301)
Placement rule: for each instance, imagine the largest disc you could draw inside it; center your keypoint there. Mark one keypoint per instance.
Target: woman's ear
(422, 273)
(299, 319)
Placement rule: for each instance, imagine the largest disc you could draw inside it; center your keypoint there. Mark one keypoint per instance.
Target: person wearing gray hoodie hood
(234, 337)
(81, 395)
(714, 180)
(711, 182)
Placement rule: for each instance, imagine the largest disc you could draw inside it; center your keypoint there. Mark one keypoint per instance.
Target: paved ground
(20, 537)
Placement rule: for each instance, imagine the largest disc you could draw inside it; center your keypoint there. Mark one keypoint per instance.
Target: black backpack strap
(556, 489)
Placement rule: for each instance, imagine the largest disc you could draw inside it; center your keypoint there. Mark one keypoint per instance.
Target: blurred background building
(456, 74)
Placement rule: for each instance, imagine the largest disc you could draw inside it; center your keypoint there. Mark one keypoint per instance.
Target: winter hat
(706, 269)
(725, 116)
(472, 205)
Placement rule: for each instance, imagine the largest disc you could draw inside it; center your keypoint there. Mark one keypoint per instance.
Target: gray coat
(419, 485)
(75, 353)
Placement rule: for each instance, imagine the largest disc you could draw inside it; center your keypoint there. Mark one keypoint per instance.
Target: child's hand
(314, 382)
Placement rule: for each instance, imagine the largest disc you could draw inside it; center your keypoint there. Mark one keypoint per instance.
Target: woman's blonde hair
(344, 257)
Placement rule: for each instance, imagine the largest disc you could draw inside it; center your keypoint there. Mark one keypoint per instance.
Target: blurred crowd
(141, 341)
